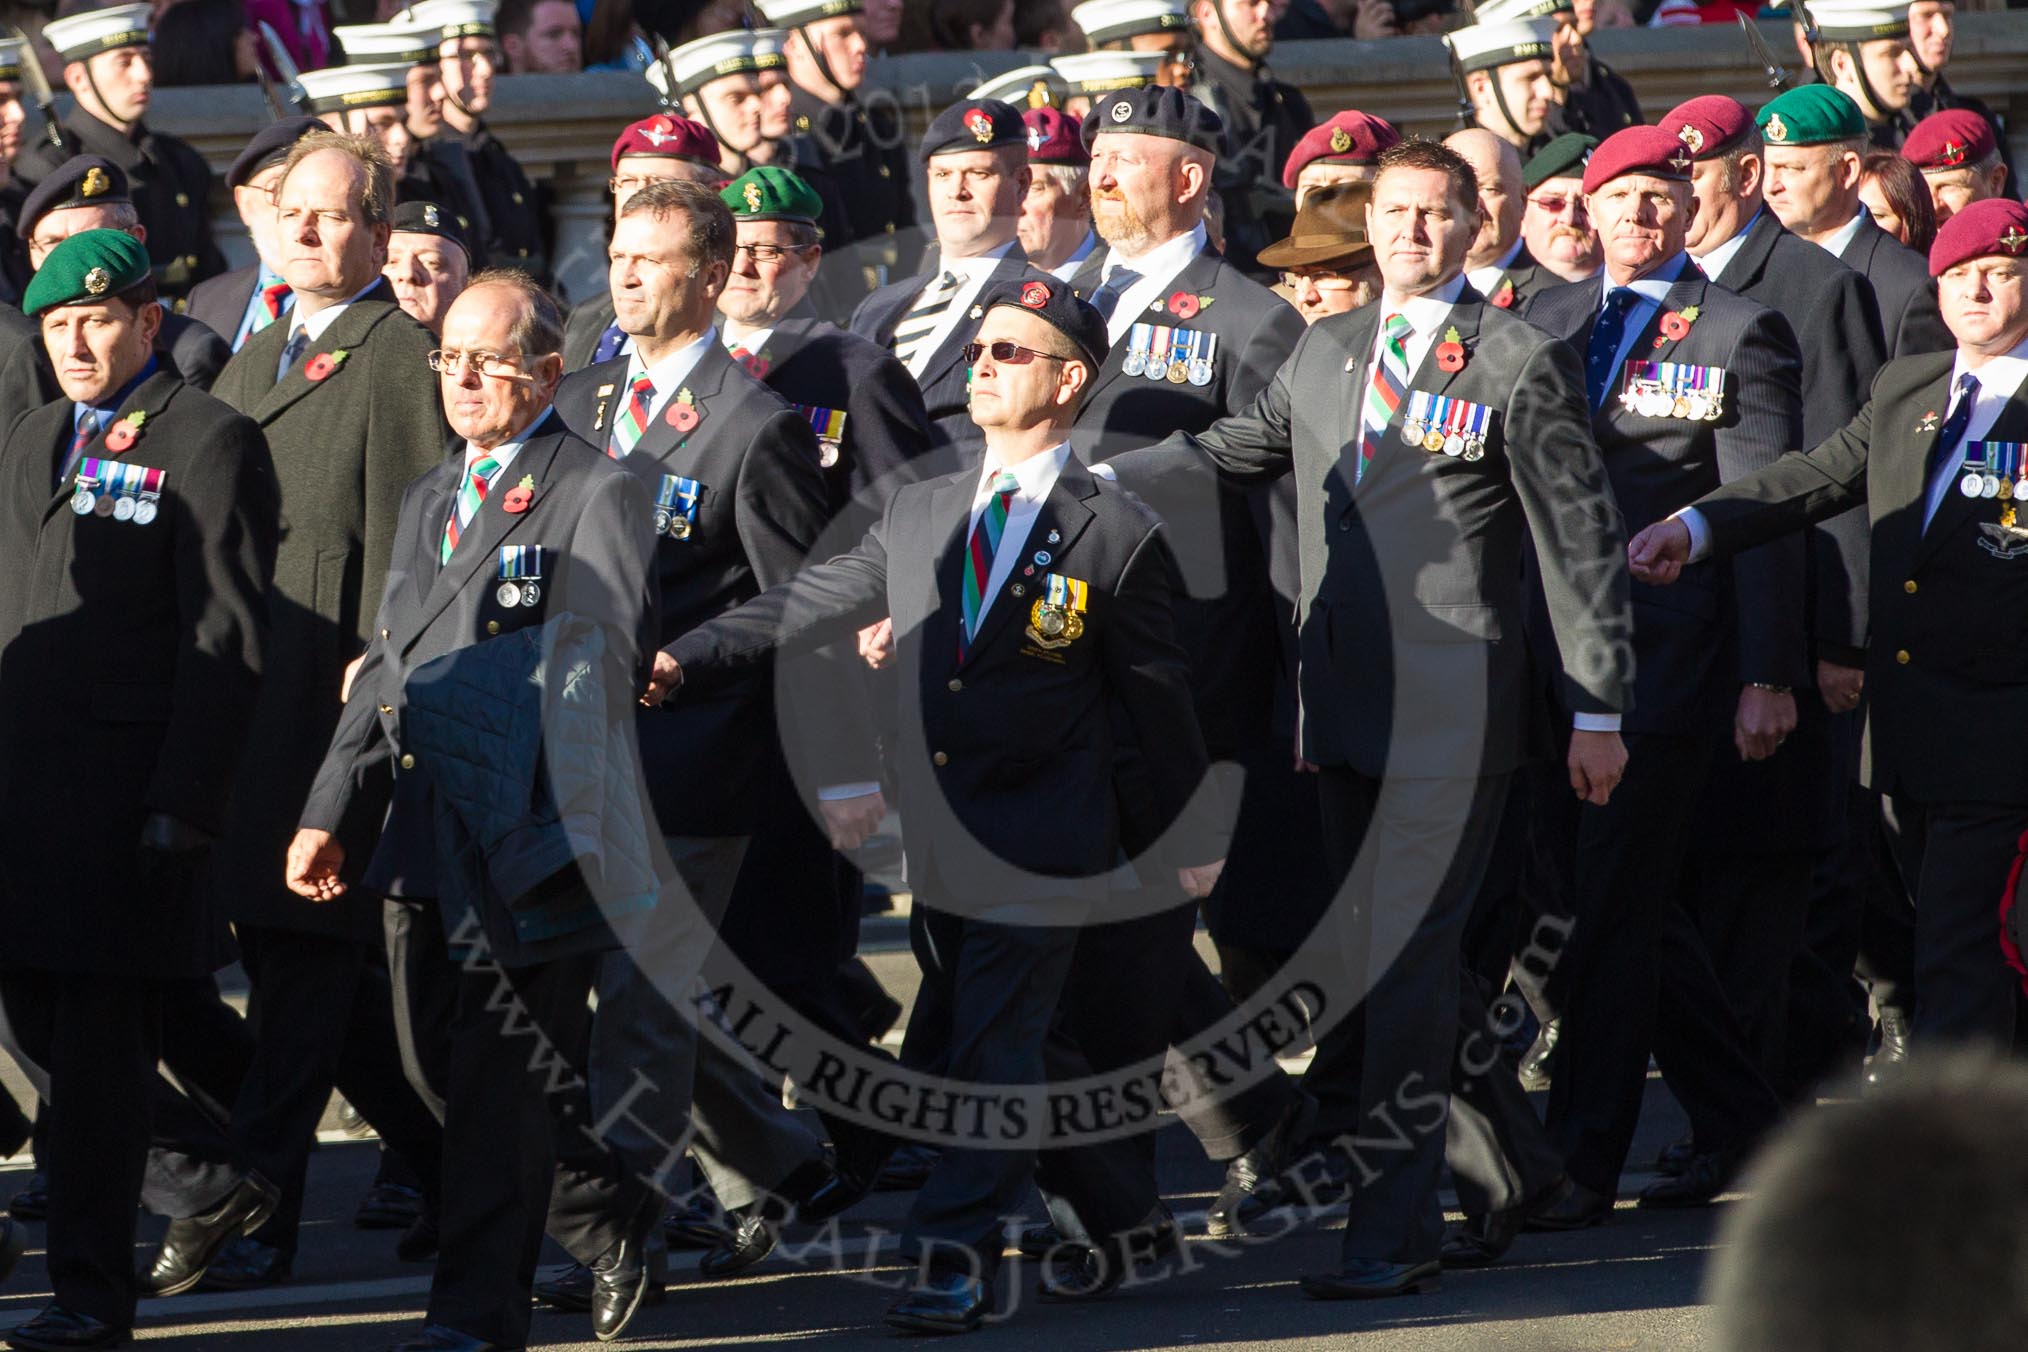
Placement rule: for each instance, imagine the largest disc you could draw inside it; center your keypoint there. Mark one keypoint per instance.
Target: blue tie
(1105, 298)
(1606, 332)
(609, 343)
(1952, 433)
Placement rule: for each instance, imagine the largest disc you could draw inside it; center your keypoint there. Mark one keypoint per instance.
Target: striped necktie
(87, 428)
(274, 296)
(632, 420)
(292, 352)
(1390, 385)
(979, 556)
(913, 332)
(471, 494)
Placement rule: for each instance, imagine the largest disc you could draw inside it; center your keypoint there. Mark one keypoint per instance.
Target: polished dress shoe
(437, 1338)
(1038, 1240)
(1540, 1061)
(1255, 1177)
(751, 1240)
(13, 1243)
(246, 1264)
(1082, 1272)
(388, 1206)
(418, 1243)
(192, 1244)
(1570, 1206)
(1483, 1240)
(1705, 1176)
(570, 1291)
(690, 1225)
(944, 1302)
(58, 1330)
(1891, 1056)
(1372, 1279)
(827, 1191)
(621, 1279)
(32, 1202)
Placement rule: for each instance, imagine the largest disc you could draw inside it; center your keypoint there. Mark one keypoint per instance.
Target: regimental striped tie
(87, 428)
(274, 297)
(1389, 387)
(923, 317)
(979, 556)
(471, 494)
(632, 419)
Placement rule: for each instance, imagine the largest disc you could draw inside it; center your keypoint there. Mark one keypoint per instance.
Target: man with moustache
(1555, 227)
(238, 304)
(1499, 260)
(1056, 230)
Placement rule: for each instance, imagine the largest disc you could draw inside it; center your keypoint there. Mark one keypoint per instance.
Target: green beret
(88, 267)
(1811, 115)
(765, 193)
(1563, 157)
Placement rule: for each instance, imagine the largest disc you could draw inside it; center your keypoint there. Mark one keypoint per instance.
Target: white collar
(2000, 378)
(1655, 286)
(507, 450)
(1720, 256)
(1166, 259)
(675, 368)
(316, 325)
(1426, 311)
(753, 342)
(1035, 475)
(1842, 239)
(977, 266)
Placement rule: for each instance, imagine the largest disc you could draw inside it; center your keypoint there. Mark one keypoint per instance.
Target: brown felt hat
(1330, 230)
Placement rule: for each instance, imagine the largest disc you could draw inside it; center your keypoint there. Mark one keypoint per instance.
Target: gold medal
(679, 527)
(1179, 372)
(1681, 408)
(1433, 442)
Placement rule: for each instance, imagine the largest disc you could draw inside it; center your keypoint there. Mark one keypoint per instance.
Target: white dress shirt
(1485, 279)
(972, 274)
(1157, 268)
(1651, 293)
(669, 373)
(1847, 233)
(503, 454)
(1715, 262)
(1034, 477)
(316, 324)
(754, 342)
(1067, 269)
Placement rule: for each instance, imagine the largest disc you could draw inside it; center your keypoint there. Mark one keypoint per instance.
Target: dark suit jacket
(583, 328)
(1004, 809)
(1949, 661)
(760, 513)
(1411, 619)
(219, 303)
(592, 520)
(129, 658)
(1697, 643)
(345, 448)
(1904, 290)
(946, 379)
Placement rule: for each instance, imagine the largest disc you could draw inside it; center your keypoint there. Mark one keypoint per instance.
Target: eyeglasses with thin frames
(485, 363)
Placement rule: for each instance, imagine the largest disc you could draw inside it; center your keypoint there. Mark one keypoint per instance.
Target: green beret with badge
(765, 193)
(1811, 115)
(89, 267)
(1563, 157)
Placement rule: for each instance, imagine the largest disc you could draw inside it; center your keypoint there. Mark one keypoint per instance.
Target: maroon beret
(666, 134)
(1054, 138)
(1350, 137)
(1654, 151)
(1710, 124)
(1950, 139)
(1994, 226)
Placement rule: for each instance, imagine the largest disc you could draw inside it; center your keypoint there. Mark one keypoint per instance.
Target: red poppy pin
(1676, 325)
(324, 363)
(125, 433)
(1450, 353)
(1503, 298)
(519, 497)
(682, 414)
(1186, 304)
(1035, 295)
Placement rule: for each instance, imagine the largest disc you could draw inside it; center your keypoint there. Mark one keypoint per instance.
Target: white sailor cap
(796, 13)
(698, 63)
(1857, 22)
(1104, 21)
(334, 89)
(451, 18)
(1486, 45)
(1105, 72)
(1520, 11)
(11, 52)
(767, 48)
(377, 44)
(100, 30)
(1026, 87)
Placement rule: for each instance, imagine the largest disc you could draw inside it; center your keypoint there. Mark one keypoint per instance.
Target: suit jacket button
(387, 708)
(408, 762)
(940, 759)
(1902, 657)
(956, 685)
(492, 626)
(886, 172)
(383, 636)
(1909, 586)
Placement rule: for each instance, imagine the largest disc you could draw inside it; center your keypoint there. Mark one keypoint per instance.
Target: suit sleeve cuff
(835, 793)
(1595, 722)
(1700, 533)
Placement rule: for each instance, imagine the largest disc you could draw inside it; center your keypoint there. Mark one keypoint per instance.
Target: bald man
(1499, 264)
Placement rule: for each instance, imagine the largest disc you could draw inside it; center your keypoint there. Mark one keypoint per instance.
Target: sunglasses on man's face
(1006, 353)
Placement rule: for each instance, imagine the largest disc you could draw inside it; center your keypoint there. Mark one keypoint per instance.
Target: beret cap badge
(1777, 130)
(1035, 295)
(2015, 240)
(1122, 110)
(1691, 137)
(752, 195)
(95, 182)
(98, 281)
(1341, 140)
(980, 123)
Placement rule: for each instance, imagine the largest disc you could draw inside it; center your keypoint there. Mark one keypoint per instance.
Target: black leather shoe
(32, 1202)
(1675, 1157)
(948, 1302)
(1076, 1272)
(1371, 1279)
(1571, 1206)
(1038, 1240)
(388, 1206)
(1256, 1175)
(752, 1240)
(620, 1284)
(1703, 1178)
(418, 1243)
(1891, 1055)
(192, 1245)
(1483, 1240)
(907, 1169)
(58, 1330)
(13, 1243)
(437, 1338)
(569, 1291)
(1540, 1061)
(689, 1225)
(826, 1191)
(246, 1264)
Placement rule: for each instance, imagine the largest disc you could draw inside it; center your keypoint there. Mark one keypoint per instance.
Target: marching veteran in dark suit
(139, 532)
(1026, 584)
(1927, 456)
(339, 389)
(523, 524)
(1689, 386)
(976, 157)
(1469, 432)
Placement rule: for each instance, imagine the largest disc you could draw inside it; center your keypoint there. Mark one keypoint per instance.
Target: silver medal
(1411, 433)
(1200, 371)
(144, 511)
(531, 592)
(1476, 450)
(661, 521)
(1136, 362)
(1972, 485)
(1989, 486)
(81, 502)
(1454, 445)
(123, 509)
(509, 595)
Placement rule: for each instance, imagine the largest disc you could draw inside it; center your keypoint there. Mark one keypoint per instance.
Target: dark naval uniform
(863, 152)
(1264, 118)
(515, 213)
(440, 169)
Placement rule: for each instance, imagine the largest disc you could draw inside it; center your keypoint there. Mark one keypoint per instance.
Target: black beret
(1156, 110)
(81, 181)
(975, 124)
(270, 145)
(1058, 306)
(427, 218)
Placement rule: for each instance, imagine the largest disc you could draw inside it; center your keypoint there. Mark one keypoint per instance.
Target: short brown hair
(708, 235)
(1420, 153)
(376, 197)
(539, 330)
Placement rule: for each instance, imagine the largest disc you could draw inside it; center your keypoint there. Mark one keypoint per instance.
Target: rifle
(1777, 78)
(285, 67)
(670, 101)
(38, 84)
